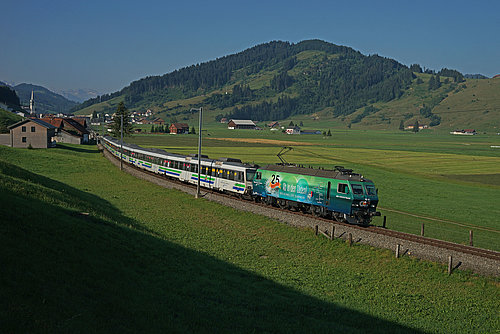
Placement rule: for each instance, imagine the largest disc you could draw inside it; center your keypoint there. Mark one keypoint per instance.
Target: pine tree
(402, 125)
(291, 124)
(329, 134)
(127, 125)
(416, 127)
(432, 83)
(193, 131)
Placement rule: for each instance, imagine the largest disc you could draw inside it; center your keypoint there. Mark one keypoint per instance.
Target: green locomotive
(339, 194)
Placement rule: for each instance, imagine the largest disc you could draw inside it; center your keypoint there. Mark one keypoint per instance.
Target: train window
(328, 190)
(251, 174)
(357, 189)
(370, 190)
(230, 175)
(343, 188)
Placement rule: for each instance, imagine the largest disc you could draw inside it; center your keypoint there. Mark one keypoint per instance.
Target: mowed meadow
(87, 248)
(451, 184)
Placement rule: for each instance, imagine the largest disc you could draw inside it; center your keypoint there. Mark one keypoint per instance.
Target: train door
(343, 198)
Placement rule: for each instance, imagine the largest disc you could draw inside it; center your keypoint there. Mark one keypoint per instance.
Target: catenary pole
(121, 143)
(199, 152)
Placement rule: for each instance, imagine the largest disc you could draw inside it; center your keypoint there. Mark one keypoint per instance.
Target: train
(338, 194)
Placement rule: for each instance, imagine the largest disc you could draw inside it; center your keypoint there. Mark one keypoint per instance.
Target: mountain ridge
(282, 80)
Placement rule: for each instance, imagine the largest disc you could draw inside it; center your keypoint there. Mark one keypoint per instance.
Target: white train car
(224, 174)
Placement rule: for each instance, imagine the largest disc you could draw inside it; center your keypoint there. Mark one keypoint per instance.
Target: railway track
(312, 221)
(481, 252)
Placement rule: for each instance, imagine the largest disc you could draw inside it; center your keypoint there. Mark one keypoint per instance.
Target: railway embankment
(462, 258)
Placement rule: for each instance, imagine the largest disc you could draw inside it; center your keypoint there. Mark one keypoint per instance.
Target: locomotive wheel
(316, 211)
(282, 203)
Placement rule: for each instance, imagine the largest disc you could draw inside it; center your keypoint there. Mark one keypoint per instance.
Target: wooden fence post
(316, 228)
(422, 230)
(470, 238)
(397, 250)
(385, 220)
(333, 231)
(450, 263)
(350, 239)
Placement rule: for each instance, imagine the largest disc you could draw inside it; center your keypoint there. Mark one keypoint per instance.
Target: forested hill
(274, 80)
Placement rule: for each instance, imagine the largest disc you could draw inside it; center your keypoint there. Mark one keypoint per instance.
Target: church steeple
(32, 102)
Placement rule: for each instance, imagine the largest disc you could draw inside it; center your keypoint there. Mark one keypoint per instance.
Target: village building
(466, 132)
(223, 120)
(293, 130)
(241, 124)
(274, 125)
(158, 121)
(70, 130)
(310, 132)
(420, 127)
(178, 128)
(33, 133)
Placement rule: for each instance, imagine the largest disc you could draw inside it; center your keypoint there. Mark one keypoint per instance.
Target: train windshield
(250, 174)
(370, 190)
(357, 189)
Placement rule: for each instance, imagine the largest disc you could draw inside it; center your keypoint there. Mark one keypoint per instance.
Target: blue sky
(107, 44)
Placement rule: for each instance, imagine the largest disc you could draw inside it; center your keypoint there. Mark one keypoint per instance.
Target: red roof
(57, 122)
(66, 124)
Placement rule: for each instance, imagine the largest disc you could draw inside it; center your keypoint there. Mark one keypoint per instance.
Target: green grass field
(87, 248)
(452, 182)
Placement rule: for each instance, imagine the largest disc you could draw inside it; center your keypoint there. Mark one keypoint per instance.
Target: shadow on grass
(67, 273)
(84, 148)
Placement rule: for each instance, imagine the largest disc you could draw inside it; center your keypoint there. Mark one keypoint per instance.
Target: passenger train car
(223, 174)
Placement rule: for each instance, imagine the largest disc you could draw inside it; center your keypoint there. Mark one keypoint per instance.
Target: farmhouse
(178, 128)
(70, 130)
(293, 130)
(241, 124)
(420, 127)
(34, 132)
(274, 125)
(310, 132)
(158, 121)
(466, 132)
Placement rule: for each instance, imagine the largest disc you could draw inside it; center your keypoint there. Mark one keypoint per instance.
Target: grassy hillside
(476, 106)
(7, 118)
(96, 250)
(472, 104)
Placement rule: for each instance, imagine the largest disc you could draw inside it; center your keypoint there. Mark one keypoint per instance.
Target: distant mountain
(79, 95)
(46, 101)
(475, 76)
